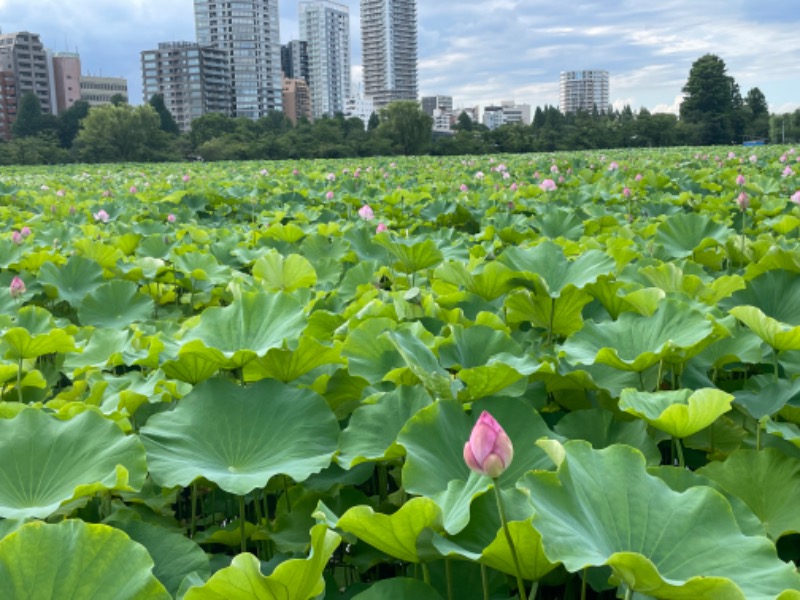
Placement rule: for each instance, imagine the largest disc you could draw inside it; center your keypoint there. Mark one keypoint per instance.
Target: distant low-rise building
(359, 106)
(23, 54)
(516, 114)
(193, 80)
(432, 103)
(97, 90)
(66, 80)
(493, 116)
(296, 99)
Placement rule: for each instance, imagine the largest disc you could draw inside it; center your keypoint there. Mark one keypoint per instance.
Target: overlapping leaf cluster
(232, 381)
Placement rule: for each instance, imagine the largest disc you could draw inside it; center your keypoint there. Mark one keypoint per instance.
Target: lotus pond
(256, 380)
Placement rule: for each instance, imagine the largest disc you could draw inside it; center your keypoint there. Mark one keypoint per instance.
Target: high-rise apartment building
(193, 80)
(98, 91)
(430, 104)
(248, 32)
(66, 80)
(584, 90)
(294, 60)
(389, 45)
(23, 54)
(8, 103)
(325, 27)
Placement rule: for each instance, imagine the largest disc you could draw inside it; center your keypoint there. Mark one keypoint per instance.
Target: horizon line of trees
(713, 112)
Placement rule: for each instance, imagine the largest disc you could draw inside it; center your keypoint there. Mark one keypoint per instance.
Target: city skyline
(483, 52)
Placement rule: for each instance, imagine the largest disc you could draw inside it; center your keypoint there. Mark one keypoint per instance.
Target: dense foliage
(256, 380)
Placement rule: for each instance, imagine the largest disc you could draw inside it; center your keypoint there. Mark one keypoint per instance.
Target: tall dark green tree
(757, 114)
(69, 122)
(709, 102)
(168, 124)
(29, 116)
(407, 127)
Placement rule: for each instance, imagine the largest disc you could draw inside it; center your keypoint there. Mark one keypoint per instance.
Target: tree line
(713, 111)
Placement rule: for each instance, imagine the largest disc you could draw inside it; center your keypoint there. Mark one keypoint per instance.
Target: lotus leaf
(115, 305)
(399, 588)
(685, 233)
(777, 335)
(278, 273)
(72, 281)
(680, 413)
(74, 559)
(46, 462)
(591, 512)
(240, 437)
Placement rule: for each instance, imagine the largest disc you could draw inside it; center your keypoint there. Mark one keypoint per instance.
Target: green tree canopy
(168, 124)
(29, 116)
(710, 97)
(120, 133)
(406, 126)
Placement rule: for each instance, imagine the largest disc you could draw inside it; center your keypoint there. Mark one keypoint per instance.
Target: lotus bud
(489, 450)
(17, 287)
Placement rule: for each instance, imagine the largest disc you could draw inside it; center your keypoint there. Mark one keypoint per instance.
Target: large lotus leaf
(394, 534)
(558, 315)
(776, 293)
(277, 273)
(370, 354)
(548, 263)
(412, 254)
(601, 429)
(45, 462)
(421, 361)
(743, 346)
(680, 413)
(115, 305)
(72, 281)
(620, 296)
(250, 326)
(788, 431)
(557, 222)
(240, 437)
(372, 431)
(35, 334)
(175, 555)
(194, 363)
(106, 255)
(474, 346)
(684, 233)
(779, 336)
(602, 508)
(763, 395)
(399, 588)
(73, 559)
(287, 365)
(434, 440)
(489, 282)
(633, 342)
(201, 267)
(769, 483)
(296, 579)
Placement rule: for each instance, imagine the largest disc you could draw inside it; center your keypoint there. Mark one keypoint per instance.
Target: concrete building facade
(97, 90)
(66, 80)
(325, 27)
(193, 80)
(584, 90)
(23, 54)
(389, 48)
(296, 100)
(8, 103)
(432, 103)
(248, 32)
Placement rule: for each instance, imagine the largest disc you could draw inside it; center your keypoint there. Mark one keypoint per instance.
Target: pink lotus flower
(25, 231)
(101, 215)
(380, 228)
(554, 169)
(548, 185)
(796, 197)
(171, 218)
(536, 175)
(638, 177)
(16, 237)
(479, 175)
(787, 172)
(506, 175)
(753, 159)
(731, 155)
(186, 179)
(626, 192)
(133, 189)
(295, 172)
(17, 287)
(743, 201)
(464, 188)
(44, 187)
(60, 193)
(106, 194)
(331, 177)
(740, 180)
(489, 450)
(613, 166)
(366, 212)
(513, 187)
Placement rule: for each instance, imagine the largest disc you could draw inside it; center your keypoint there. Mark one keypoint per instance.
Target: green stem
(259, 520)
(286, 493)
(775, 362)
(583, 584)
(629, 593)
(193, 525)
(641, 381)
(534, 590)
(504, 521)
(426, 573)
(383, 482)
(242, 522)
(758, 434)
(660, 374)
(19, 380)
(744, 225)
(484, 582)
(681, 461)
(552, 321)
(449, 576)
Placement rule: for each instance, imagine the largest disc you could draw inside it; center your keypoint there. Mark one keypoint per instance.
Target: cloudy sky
(486, 51)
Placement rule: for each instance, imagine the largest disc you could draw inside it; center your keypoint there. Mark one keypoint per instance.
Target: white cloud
(673, 108)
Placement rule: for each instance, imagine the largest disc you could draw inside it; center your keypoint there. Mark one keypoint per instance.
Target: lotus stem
(426, 573)
(583, 584)
(242, 522)
(629, 593)
(484, 582)
(775, 362)
(383, 482)
(19, 380)
(534, 590)
(509, 540)
(193, 524)
(286, 494)
(758, 435)
(449, 577)
(679, 447)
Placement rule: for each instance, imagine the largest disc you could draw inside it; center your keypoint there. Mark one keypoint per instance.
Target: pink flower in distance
(133, 189)
(464, 188)
(753, 158)
(638, 177)
(479, 175)
(17, 287)
(554, 169)
(626, 192)
(171, 218)
(740, 180)
(514, 187)
(25, 231)
(101, 215)
(366, 212)
(331, 177)
(489, 450)
(186, 179)
(380, 228)
(329, 195)
(613, 166)
(548, 185)
(787, 172)
(731, 155)
(295, 172)
(796, 197)
(16, 237)
(743, 201)
(60, 193)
